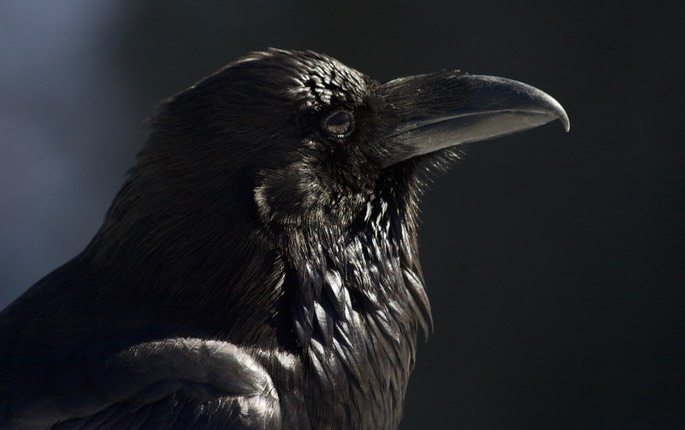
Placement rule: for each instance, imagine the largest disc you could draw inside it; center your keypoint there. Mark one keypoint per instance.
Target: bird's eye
(339, 124)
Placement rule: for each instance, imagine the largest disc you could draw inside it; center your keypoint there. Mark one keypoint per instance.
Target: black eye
(339, 124)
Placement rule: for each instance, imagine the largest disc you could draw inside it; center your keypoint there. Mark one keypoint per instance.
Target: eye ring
(339, 124)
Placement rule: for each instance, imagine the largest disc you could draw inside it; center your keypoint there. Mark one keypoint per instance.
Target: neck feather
(357, 307)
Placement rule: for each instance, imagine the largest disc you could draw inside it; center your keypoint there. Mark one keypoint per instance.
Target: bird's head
(289, 159)
(312, 140)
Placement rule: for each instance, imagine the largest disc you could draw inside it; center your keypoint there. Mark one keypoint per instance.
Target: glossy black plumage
(259, 267)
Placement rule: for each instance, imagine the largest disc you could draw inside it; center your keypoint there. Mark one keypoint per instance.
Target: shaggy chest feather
(357, 307)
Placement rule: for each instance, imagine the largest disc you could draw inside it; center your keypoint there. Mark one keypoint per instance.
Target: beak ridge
(441, 110)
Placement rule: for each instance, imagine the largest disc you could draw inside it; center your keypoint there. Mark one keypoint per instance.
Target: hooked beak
(436, 111)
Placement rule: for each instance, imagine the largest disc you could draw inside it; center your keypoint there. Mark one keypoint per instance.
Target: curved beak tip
(565, 122)
(562, 116)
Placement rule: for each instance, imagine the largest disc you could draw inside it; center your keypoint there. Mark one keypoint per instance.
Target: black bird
(259, 268)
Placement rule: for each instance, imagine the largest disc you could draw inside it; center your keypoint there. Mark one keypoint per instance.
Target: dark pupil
(339, 123)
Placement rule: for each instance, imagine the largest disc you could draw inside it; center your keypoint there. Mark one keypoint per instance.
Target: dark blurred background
(554, 262)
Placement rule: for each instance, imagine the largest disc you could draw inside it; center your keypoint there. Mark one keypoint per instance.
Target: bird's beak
(435, 111)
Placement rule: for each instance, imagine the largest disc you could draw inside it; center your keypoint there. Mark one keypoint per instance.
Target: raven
(259, 267)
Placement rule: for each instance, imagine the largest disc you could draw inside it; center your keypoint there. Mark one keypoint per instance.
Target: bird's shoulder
(167, 383)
